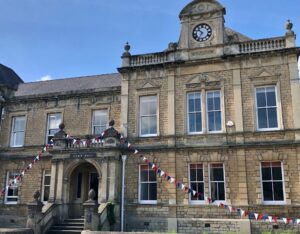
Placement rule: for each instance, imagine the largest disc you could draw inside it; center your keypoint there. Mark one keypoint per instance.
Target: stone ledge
(16, 231)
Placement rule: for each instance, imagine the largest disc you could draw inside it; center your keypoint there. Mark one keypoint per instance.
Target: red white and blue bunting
(77, 142)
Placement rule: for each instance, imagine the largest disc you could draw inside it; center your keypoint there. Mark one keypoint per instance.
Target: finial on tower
(126, 48)
(289, 27)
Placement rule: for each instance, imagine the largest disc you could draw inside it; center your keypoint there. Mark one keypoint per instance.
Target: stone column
(103, 184)
(52, 183)
(91, 217)
(112, 181)
(34, 214)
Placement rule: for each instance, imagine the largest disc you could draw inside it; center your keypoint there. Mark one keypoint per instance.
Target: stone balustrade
(148, 59)
(262, 45)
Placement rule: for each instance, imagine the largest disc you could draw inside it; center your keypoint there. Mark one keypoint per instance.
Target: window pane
(47, 180)
(271, 98)
(266, 173)
(221, 190)
(217, 101)
(19, 124)
(100, 117)
(278, 191)
(218, 121)
(152, 108)
(211, 121)
(261, 99)
(217, 174)
(191, 104)
(276, 171)
(19, 138)
(262, 118)
(193, 175)
(210, 102)
(272, 115)
(267, 190)
(46, 193)
(198, 122)
(144, 191)
(197, 102)
(199, 174)
(152, 125)
(152, 191)
(192, 121)
(144, 175)
(152, 175)
(214, 190)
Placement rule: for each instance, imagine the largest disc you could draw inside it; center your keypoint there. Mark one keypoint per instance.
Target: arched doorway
(82, 179)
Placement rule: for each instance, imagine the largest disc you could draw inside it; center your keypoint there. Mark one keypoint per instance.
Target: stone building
(217, 110)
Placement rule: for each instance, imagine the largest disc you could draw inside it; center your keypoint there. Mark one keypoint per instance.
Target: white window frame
(194, 112)
(140, 117)
(283, 202)
(105, 126)
(209, 181)
(6, 189)
(13, 133)
(277, 109)
(43, 184)
(196, 202)
(48, 124)
(153, 202)
(207, 119)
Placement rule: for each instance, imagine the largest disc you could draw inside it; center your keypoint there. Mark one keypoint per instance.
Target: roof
(70, 85)
(234, 36)
(8, 77)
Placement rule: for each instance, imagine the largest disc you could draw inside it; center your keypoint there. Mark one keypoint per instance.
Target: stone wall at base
(261, 227)
(136, 224)
(195, 226)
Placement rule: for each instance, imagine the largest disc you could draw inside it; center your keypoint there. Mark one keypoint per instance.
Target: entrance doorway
(84, 178)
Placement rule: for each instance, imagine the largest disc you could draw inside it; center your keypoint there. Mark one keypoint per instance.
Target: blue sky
(68, 38)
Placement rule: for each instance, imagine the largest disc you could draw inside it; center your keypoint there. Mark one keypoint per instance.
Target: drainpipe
(2, 100)
(124, 157)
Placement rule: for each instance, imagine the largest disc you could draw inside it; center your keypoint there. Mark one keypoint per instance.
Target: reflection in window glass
(148, 116)
(214, 114)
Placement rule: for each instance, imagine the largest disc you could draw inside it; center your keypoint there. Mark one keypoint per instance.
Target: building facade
(218, 111)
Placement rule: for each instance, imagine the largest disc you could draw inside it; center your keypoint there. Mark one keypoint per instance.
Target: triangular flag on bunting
(230, 208)
(270, 219)
(136, 151)
(162, 173)
(182, 187)
(172, 180)
(30, 165)
(298, 221)
(23, 172)
(194, 193)
(153, 165)
(284, 220)
(129, 145)
(38, 157)
(242, 212)
(256, 215)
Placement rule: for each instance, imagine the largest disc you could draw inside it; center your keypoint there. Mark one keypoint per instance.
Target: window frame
(277, 108)
(221, 110)
(93, 120)
(209, 181)
(48, 124)
(196, 202)
(6, 189)
(188, 113)
(283, 202)
(150, 202)
(12, 134)
(156, 115)
(43, 185)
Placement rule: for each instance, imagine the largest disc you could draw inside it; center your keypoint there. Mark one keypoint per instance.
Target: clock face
(202, 32)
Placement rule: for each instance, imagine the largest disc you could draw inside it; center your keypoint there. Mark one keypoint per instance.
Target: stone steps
(69, 226)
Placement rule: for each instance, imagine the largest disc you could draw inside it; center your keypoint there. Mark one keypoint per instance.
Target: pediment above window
(203, 79)
(148, 85)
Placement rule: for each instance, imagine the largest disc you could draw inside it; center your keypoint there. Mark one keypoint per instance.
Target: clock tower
(202, 25)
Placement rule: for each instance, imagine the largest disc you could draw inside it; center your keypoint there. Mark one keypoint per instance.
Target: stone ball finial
(127, 48)
(111, 123)
(62, 126)
(289, 25)
(36, 195)
(92, 194)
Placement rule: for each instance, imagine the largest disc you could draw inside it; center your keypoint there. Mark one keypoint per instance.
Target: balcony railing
(148, 59)
(262, 45)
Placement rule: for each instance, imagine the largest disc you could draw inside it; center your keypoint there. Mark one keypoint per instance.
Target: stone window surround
(47, 113)
(44, 174)
(196, 202)
(267, 82)
(283, 183)
(209, 165)
(278, 108)
(150, 202)
(139, 94)
(203, 90)
(12, 118)
(102, 108)
(6, 189)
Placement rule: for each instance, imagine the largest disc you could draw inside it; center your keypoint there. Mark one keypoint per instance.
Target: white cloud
(45, 78)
